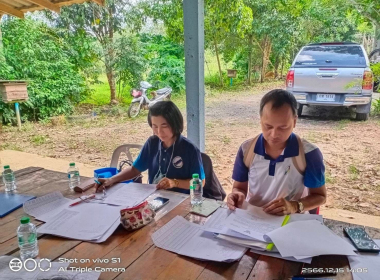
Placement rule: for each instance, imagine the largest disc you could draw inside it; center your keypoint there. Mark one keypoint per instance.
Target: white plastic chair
(123, 149)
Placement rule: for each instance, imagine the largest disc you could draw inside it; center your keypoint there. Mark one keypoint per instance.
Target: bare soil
(351, 149)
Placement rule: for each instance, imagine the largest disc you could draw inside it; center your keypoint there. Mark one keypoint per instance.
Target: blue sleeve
(197, 165)
(315, 169)
(141, 163)
(241, 171)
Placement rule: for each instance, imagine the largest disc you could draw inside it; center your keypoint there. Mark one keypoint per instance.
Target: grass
(329, 179)
(226, 140)
(101, 94)
(38, 140)
(10, 146)
(353, 171)
(342, 124)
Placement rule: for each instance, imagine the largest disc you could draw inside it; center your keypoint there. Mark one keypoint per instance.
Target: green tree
(35, 52)
(130, 63)
(103, 23)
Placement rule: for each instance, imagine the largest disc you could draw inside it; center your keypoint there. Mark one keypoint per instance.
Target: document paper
(130, 195)
(45, 207)
(86, 221)
(366, 266)
(309, 238)
(188, 239)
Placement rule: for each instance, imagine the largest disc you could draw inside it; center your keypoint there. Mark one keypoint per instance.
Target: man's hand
(280, 207)
(165, 183)
(235, 200)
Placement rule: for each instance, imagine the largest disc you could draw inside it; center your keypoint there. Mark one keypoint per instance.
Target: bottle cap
(25, 220)
(195, 176)
(72, 164)
(6, 166)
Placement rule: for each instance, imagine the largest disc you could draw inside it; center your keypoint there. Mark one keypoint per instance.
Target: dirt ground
(351, 149)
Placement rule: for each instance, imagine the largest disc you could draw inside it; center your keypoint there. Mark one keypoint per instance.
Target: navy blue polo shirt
(186, 160)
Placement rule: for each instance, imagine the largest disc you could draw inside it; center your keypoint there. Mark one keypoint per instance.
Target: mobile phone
(158, 203)
(361, 240)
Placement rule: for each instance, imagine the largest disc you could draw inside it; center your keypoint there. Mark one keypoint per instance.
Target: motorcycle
(141, 100)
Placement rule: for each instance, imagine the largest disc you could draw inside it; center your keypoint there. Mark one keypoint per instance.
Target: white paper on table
(47, 206)
(175, 199)
(253, 222)
(215, 224)
(188, 239)
(309, 238)
(365, 261)
(278, 256)
(130, 195)
(108, 233)
(85, 221)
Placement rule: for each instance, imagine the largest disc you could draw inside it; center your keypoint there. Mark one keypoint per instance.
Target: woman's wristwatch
(176, 182)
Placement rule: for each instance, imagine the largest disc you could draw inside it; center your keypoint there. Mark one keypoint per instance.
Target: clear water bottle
(9, 179)
(196, 190)
(27, 239)
(73, 175)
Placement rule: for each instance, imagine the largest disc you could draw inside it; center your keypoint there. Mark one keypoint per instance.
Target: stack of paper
(85, 221)
(249, 228)
(93, 222)
(365, 266)
(309, 238)
(188, 239)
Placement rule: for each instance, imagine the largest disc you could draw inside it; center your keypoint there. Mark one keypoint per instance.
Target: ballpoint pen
(83, 200)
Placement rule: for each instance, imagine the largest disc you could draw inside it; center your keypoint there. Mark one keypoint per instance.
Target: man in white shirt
(277, 170)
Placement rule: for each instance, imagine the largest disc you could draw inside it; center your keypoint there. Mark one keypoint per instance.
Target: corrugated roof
(19, 7)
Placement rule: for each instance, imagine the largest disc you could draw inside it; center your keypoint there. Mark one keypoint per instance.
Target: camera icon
(15, 264)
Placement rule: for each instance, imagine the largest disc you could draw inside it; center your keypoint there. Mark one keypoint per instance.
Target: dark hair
(279, 98)
(170, 112)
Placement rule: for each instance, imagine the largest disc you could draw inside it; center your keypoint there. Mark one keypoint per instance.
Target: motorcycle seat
(163, 91)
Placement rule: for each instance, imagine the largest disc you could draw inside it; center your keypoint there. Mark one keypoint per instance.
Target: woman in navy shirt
(170, 158)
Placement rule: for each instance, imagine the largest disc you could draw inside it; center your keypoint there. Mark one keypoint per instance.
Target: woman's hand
(104, 183)
(280, 207)
(166, 183)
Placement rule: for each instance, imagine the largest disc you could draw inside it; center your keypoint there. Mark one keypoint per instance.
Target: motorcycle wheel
(134, 109)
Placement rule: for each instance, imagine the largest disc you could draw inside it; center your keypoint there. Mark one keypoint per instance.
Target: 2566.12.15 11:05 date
(308, 270)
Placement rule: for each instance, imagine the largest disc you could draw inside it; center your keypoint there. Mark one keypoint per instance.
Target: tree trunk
(2, 56)
(218, 59)
(276, 66)
(282, 68)
(266, 47)
(110, 57)
(111, 80)
(250, 46)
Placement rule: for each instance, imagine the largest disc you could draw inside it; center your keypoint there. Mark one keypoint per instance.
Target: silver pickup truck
(332, 74)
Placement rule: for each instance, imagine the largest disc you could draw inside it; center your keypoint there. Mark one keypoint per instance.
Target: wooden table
(137, 257)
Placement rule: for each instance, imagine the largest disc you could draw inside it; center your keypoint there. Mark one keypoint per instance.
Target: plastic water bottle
(27, 239)
(196, 190)
(9, 179)
(73, 175)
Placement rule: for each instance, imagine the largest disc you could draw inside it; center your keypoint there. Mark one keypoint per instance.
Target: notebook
(11, 202)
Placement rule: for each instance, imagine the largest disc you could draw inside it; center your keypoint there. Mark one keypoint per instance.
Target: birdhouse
(13, 91)
(231, 73)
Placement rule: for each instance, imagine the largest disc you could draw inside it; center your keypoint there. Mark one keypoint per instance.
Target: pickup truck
(332, 74)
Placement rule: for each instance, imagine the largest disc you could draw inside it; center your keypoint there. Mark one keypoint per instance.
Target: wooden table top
(134, 253)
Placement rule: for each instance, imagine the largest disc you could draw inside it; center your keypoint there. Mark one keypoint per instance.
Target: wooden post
(17, 108)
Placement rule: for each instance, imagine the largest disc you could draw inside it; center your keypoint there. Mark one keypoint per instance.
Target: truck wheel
(299, 110)
(362, 116)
